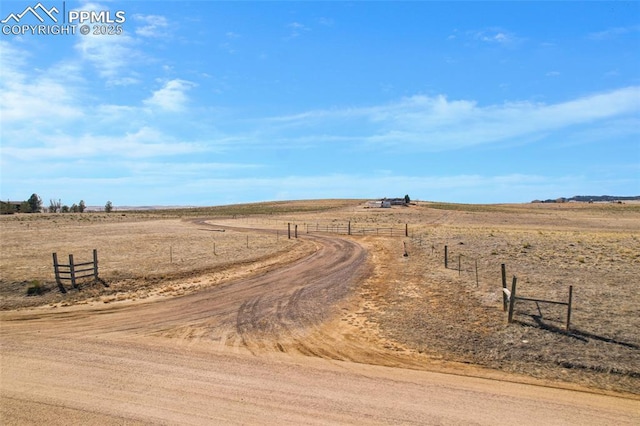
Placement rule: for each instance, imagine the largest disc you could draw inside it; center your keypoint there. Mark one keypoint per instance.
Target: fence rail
(75, 271)
(512, 298)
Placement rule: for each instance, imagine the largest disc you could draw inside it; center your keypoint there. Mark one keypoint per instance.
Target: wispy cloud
(472, 187)
(615, 32)
(429, 123)
(110, 56)
(489, 36)
(327, 22)
(29, 96)
(296, 29)
(151, 25)
(146, 142)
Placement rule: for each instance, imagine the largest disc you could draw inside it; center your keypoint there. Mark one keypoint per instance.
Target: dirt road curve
(232, 354)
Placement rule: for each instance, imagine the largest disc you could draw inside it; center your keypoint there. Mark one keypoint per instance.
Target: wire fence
(350, 228)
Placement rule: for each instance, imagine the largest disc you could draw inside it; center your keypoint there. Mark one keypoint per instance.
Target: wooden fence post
(512, 299)
(72, 269)
(289, 230)
(569, 306)
(446, 257)
(349, 228)
(95, 264)
(56, 269)
(477, 279)
(406, 229)
(296, 231)
(459, 264)
(505, 300)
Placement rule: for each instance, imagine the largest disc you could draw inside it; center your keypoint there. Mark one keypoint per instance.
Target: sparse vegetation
(36, 288)
(409, 301)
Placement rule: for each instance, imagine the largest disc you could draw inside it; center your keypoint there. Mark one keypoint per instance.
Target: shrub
(35, 288)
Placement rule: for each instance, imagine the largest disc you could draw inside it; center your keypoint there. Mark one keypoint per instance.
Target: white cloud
(152, 25)
(171, 97)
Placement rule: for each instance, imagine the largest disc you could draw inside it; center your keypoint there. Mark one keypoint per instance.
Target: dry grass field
(409, 305)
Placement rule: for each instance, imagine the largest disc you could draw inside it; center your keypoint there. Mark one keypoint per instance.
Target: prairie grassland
(413, 303)
(417, 305)
(136, 253)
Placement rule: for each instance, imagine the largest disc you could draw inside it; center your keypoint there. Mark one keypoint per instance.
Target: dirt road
(232, 354)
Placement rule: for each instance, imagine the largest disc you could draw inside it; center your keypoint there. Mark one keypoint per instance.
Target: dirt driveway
(233, 354)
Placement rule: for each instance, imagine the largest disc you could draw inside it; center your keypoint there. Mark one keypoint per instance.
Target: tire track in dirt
(126, 363)
(265, 312)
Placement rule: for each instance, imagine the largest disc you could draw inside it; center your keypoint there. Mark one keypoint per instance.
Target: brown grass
(412, 302)
(136, 253)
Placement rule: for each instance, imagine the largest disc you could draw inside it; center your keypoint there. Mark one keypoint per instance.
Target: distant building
(386, 203)
(10, 207)
(396, 201)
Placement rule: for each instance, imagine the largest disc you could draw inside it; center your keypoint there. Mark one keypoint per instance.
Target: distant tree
(25, 207)
(74, 208)
(81, 207)
(54, 206)
(65, 209)
(108, 207)
(35, 202)
(407, 200)
(6, 208)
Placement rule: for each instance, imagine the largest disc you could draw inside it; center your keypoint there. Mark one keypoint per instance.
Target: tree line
(34, 205)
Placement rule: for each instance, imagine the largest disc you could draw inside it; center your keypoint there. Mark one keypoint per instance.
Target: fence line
(354, 229)
(509, 297)
(460, 256)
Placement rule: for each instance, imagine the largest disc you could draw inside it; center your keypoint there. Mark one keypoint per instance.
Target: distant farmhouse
(10, 207)
(386, 203)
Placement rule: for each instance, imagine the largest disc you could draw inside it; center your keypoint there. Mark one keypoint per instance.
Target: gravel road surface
(235, 354)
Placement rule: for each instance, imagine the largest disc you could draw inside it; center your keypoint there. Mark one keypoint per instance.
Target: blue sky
(208, 103)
